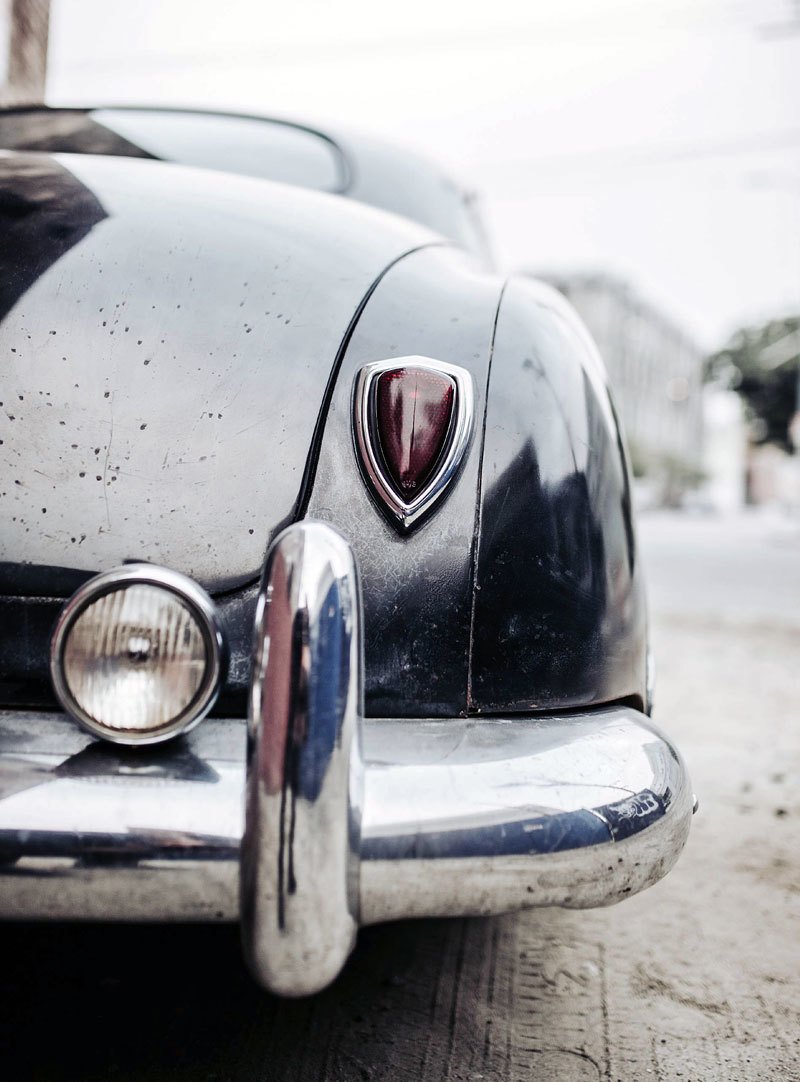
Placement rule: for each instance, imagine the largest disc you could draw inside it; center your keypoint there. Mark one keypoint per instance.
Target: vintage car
(321, 599)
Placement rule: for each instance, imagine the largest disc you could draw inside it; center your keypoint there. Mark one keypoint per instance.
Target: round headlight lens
(137, 655)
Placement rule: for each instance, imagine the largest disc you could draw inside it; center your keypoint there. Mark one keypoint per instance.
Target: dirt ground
(697, 979)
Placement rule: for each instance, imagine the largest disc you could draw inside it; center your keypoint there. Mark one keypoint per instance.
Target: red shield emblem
(413, 421)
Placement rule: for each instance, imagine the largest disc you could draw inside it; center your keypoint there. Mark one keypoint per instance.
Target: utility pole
(25, 29)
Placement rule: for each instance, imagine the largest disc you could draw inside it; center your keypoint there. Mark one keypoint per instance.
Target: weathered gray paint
(162, 375)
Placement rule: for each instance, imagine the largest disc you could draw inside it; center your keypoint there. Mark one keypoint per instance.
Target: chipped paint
(159, 408)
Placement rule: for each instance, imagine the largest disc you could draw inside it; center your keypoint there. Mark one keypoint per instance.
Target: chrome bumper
(310, 820)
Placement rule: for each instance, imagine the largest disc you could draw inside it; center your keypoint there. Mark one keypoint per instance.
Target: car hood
(167, 335)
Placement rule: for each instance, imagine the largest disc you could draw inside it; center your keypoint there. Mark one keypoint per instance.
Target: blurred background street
(741, 569)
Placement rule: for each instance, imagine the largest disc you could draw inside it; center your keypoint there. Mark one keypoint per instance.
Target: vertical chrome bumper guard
(300, 850)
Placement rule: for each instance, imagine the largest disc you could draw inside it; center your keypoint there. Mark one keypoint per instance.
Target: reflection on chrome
(349, 821)
(300, 847)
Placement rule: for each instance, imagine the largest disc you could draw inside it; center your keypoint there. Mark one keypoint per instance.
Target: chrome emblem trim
(407, 514)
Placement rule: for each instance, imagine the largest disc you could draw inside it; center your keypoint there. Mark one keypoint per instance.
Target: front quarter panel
(559, 615)
(417, 586)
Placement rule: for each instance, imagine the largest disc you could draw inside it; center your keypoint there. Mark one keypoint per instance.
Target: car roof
(346, 163)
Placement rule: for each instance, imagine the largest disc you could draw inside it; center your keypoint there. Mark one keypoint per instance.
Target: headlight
(137, 654)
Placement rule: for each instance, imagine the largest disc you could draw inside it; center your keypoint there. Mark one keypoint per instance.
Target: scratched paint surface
(165, 356)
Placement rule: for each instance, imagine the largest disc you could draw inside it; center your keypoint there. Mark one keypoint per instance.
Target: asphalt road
(731, 569)
(696, 979)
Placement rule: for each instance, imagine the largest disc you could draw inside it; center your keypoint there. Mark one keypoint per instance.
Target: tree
(763, 365)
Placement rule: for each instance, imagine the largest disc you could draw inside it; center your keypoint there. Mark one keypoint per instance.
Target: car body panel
(417, 588)
(168, 340)
(560, 616)
(200, 370)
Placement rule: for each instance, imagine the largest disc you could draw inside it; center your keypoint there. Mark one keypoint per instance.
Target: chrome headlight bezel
(202, 609)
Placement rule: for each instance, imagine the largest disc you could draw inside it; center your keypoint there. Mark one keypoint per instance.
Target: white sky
(657, 139)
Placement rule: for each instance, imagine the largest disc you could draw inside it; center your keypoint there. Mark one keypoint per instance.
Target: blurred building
(656, 373)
